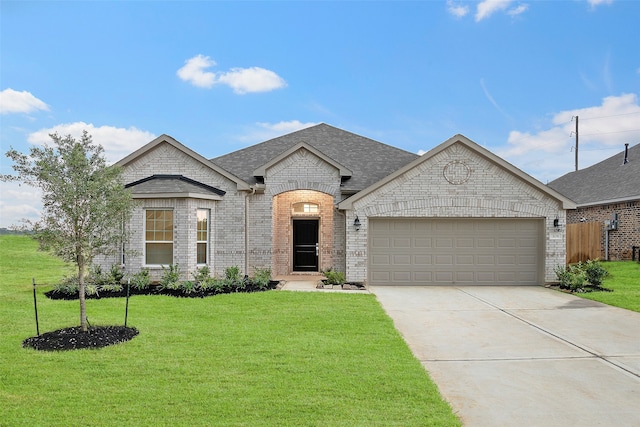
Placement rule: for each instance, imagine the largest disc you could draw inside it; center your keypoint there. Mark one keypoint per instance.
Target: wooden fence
(584, 241)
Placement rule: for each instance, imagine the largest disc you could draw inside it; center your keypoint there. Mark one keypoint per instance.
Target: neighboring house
(602, 190)
(325, 198)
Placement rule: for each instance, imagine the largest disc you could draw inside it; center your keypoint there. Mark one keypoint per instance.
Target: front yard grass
(264, 359)
(624, 280)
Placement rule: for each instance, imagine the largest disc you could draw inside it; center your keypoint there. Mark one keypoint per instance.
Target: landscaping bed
(74, 338)
(158, 289)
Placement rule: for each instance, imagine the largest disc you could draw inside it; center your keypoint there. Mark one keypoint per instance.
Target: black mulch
(74, 339)
(157, 290)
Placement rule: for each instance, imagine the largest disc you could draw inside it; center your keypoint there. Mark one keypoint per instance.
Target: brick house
(325, 198)
(608, 188)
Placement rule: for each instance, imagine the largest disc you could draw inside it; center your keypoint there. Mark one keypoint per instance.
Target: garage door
(455, 251)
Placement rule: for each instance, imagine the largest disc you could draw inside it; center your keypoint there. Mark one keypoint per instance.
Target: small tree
(84, 202)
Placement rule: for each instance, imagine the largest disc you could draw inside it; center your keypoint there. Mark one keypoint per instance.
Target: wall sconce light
(356, 223)
(556, 224)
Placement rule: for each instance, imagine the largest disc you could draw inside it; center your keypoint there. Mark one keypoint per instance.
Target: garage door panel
(465, 260)
(381, 259)
(464, 277)
(443, 276)
(401, 276)
(422, 242)
(444, 243)
(423, 276)
(486, 260)
(455, 251)
(404, 259)
(381, 242)
(401, 242)
(444, 260)
(422, 259)
(486, 242)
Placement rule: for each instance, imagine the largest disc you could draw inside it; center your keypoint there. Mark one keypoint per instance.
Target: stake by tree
(84, 201)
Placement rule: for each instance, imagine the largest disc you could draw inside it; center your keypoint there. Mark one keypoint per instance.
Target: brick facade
(251, 226)
(620, 240)
(303, 177)
(485, 191)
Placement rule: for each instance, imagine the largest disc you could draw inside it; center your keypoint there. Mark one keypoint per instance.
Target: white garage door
(470, 251)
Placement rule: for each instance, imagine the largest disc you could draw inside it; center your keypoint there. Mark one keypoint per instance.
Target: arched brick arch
(283, 217)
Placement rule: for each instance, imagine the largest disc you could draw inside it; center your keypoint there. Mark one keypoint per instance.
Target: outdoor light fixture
(556, 223)
(356, 223)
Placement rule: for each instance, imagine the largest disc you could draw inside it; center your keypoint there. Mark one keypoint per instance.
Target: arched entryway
(303, 231)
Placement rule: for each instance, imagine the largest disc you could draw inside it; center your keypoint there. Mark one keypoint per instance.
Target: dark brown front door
(305, 245)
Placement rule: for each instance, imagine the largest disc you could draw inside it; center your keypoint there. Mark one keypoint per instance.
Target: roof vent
(626, 153)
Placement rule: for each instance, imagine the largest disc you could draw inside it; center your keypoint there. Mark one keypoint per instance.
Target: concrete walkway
(523, 356)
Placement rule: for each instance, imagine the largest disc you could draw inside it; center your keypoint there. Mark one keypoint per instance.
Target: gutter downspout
(246, 229)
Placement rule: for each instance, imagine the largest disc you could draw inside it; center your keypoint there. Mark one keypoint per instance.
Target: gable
(167, 155)
(458, 169)
(367, 160)
(303, 170)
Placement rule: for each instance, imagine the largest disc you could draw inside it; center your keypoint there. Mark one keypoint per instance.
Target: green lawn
(624, 280)
(265, 359)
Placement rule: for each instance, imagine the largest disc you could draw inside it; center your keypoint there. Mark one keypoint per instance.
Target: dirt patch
(74, 338)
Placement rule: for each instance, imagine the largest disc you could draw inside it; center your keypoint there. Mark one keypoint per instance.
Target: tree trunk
(83, 304)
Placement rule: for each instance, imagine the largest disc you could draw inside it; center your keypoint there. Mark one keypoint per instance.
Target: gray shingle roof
(607, 181)
(162, 184)
(369, 160)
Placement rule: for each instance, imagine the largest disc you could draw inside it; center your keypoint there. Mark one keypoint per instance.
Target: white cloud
(521, 8)
(457, 10)
(12, 101)
(595, 3)
(241, 80)
(487, 8)
(117, 142)
(21, 201)
(194, 71)
(265, 131)
(18, 202)
(254, 79)
(602, 131)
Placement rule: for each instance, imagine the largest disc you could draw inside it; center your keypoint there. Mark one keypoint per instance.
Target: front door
(305, 245)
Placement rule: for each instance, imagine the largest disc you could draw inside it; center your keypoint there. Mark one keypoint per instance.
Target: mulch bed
(74, 338)
(586, 289)
(153, 290)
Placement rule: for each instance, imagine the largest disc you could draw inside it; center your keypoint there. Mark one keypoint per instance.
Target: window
(203, 235)
(158, 228)
(305, 207)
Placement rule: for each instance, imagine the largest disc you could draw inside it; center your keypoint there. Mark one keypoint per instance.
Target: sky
(219, 76)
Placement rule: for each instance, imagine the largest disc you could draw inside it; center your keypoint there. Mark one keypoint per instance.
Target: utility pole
(576, 142)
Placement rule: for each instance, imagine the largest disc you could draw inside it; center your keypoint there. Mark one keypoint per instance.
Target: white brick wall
(226, 236)
(489, 192)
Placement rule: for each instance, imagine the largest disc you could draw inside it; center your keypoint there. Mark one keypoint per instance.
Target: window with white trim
(203, 236)
(304, 207)
(158, 231)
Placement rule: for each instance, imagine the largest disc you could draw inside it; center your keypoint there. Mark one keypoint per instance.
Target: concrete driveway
(523, 356)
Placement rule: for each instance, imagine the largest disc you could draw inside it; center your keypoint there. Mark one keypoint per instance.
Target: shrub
(68, 285)
(201, 274)
(261, 277)
(334, 277)
(578, 276)
(232, 273)
(170, 277)
(116, 274)
(595, 272)
(188, 287)
(141, 279)
(91, 290)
